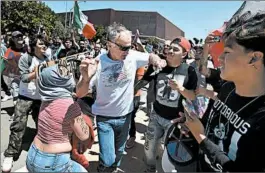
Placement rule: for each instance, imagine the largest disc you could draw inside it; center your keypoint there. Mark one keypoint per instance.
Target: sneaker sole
(6, 171)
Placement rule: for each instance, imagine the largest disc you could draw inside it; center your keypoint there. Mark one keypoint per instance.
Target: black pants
(150, 98)
(18, 126)
(4, 86)
(132, 131)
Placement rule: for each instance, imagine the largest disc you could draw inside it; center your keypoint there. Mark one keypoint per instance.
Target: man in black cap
(12, 55)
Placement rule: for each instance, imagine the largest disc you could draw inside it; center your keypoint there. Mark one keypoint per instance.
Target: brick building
(148, 23)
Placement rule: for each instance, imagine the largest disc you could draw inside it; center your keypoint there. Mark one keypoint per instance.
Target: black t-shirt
(82, 50)
(235, 140)
(66, 52)
(167, 102)
(215, 80)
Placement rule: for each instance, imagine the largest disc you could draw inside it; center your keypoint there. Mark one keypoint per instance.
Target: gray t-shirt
(114, 81)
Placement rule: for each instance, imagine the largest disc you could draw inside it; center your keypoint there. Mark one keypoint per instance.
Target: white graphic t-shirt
(31, 89)
(115, 84)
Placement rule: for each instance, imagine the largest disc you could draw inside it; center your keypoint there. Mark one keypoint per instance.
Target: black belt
(109, 117)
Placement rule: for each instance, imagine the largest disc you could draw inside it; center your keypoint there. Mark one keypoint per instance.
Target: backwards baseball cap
(248, 21)
(183, 42)
(16, 33)
(181, 153)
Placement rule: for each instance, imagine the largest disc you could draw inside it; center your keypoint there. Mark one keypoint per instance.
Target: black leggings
(4, 86)
(132, 131)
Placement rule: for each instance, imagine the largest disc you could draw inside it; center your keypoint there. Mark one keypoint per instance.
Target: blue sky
(195, 18)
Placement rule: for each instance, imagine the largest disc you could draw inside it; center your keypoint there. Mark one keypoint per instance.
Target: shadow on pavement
(93, 153)
(133, 160)
(141, 128)
(28, 138)
(9, 110)
(93, 166)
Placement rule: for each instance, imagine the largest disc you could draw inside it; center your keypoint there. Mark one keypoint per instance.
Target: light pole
(65, 20)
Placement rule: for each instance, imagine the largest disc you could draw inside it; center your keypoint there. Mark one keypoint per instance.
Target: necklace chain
(243, 107)
(249, 103)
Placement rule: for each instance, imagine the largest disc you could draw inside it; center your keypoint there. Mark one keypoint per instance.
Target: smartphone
(189, 107)
(217, 39)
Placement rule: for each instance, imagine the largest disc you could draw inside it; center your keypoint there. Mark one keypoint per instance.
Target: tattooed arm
(80, 128)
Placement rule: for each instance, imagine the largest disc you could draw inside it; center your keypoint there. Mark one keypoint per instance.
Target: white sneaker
(7, 164)
(6, 97)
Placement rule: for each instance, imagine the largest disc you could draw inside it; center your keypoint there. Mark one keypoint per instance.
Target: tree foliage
(101, 33)
(27, 16)
(152, 41)
(59, 30)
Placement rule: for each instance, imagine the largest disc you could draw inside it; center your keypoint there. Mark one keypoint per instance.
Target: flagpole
(65, 20)
(70, 17)
(72, 21)
(73, 13)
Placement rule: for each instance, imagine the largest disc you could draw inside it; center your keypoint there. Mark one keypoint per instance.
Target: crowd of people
(204, 117)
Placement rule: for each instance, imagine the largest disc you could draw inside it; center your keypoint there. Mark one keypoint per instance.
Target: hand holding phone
(212, 39)
(216, 39)
(189, 109)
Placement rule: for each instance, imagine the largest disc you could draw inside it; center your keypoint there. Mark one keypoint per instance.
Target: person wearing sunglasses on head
(115, 93)
(177, 81)
(231, 137)
(28, 99)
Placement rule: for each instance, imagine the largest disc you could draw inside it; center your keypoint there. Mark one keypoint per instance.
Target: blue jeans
(38, 161)
(112, 136)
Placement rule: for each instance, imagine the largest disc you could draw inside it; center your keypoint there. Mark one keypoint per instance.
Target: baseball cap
(248, 21)
(183, 42)
(16, 33)
(181, 153)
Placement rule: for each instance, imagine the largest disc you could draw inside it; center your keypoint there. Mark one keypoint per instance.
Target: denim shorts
(38, 161)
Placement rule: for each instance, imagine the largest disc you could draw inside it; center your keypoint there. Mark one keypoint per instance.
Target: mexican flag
(81, 23)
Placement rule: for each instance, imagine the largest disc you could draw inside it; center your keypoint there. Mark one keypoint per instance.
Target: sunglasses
(122, 48)
(18, 36)
(197, 48)
(44, 44)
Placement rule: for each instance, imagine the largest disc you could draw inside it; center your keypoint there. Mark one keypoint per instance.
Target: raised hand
(88, 68)
(157, 62)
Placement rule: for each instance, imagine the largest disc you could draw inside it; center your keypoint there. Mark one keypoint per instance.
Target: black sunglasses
(122, 48)
(18, 36)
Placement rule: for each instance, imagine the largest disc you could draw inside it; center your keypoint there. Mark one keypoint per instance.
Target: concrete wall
(172, 31)
(148, 23)
(100, 17)
(145, 22)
